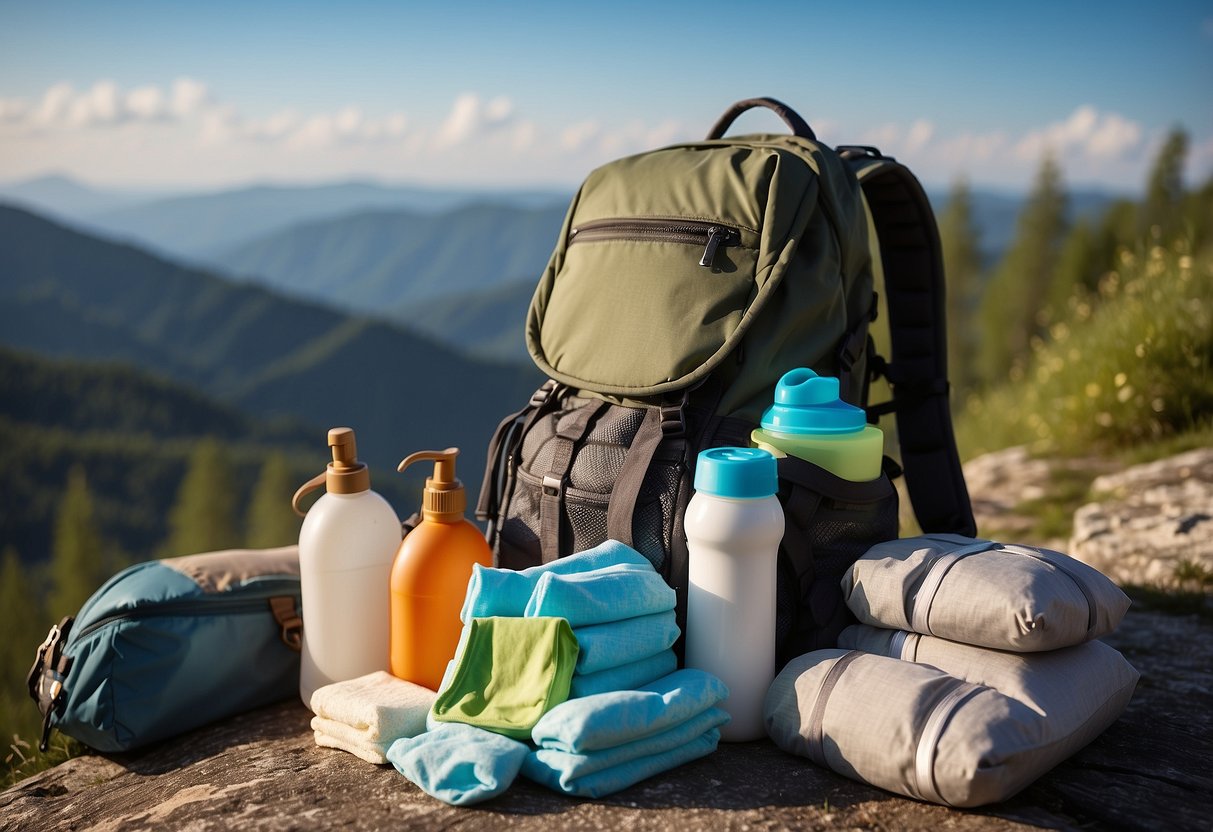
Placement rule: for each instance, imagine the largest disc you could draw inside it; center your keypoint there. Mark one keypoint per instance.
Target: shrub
(1129, 364)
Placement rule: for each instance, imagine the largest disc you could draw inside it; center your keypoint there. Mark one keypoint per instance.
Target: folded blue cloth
(610, 719)
(617, 777)
(609, 594)
(506, 592)
(625, 677)
(603, 646)
(459, 764)
(597, 773)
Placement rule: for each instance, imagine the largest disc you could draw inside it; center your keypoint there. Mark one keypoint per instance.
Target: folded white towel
(371, 752)
(378, 707)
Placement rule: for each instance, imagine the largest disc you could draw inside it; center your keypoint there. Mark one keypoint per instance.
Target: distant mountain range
(194, 226)
(67, 294)
(453, 263)
(393, 261)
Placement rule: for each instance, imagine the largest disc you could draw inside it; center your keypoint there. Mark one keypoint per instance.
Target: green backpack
(685, 282)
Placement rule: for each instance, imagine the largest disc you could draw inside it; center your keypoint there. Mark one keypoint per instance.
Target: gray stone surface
(262, 771)
(1149, 521)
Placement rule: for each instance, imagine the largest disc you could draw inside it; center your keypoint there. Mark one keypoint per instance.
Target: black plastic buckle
(539, 397)
(673, 420)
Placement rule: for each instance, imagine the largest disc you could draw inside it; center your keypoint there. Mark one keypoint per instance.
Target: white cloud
(12, 110)
(575, 136)
(147, 103)
(1085, 132)
(190, 97)
(470, 116)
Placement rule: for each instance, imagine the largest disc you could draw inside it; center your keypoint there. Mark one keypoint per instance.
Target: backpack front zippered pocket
(202, 605)
(711, 235)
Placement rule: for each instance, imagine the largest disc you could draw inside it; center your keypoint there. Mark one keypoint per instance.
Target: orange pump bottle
(430, 576)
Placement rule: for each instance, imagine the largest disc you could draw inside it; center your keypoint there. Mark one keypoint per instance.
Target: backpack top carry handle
(790, 117)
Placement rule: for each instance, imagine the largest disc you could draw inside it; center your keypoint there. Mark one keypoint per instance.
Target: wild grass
(1128, 368)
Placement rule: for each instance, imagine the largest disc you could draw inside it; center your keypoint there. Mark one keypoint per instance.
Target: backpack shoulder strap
(914, 285)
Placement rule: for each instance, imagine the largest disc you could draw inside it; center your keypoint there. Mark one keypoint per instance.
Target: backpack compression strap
(914, 285)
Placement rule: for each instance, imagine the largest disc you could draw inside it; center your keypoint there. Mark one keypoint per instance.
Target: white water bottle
(734, 523)
(346, 547)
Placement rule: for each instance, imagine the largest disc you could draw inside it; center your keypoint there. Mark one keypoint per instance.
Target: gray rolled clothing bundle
(952, 720)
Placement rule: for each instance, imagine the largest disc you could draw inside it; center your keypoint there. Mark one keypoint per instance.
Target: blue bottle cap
(741, 473)
(808, 403)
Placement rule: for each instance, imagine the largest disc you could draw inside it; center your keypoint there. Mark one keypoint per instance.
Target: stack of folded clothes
(574, 656)
(600, 744)
(621, 612)
(364, 716)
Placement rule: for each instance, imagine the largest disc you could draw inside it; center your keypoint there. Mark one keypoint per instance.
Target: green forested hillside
(131, 435)
(68, 294)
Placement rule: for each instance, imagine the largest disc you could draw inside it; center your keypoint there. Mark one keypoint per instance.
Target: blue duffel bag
(169, 645)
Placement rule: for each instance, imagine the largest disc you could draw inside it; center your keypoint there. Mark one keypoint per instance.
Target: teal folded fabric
(614, 768)
(610, 719)
(618, 777)
(603, 646)
(508, 673)
(459, 764)
(506, 592)
(624, 677)
(609, 594)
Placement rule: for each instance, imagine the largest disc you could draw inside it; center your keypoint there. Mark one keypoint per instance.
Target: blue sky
(208, 95)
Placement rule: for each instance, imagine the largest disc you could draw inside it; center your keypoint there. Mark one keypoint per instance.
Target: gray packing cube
(1070, 686)
(169, 645)
(912, 729)
(1000, 595)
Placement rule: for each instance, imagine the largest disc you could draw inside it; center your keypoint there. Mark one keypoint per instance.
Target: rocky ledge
(261, 770)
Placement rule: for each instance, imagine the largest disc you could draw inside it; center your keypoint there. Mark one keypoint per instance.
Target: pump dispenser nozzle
(344, 475)
(444, 498)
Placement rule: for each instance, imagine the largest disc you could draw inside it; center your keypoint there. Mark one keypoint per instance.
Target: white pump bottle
(346, 546)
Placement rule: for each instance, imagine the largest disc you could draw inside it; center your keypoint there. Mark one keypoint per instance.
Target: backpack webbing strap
(500, 446)
(658, 423)
(551, 495)
(914, 286)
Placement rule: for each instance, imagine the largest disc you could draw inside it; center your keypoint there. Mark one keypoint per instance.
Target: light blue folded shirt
(616, 643)
(459, 764)
(618, 777)
(606, 720)
(604, 595)
(506, 591)
(624, 677)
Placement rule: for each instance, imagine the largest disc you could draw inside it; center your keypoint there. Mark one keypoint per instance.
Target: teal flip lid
(808, 403)
(741, 473)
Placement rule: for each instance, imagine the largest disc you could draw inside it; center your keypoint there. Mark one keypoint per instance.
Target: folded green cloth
(609, 594)
(624, 677)
(458, 764)
(603, 646)
(506, 592)
(603, 772)
(508, 673)
(611, 719)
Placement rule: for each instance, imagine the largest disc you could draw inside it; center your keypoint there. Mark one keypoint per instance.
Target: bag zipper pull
(716, 236)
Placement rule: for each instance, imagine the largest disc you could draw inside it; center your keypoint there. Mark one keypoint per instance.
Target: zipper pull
(716, 237)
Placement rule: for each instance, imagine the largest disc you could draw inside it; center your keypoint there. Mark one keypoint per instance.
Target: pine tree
(21, 618)
(271, 521)
(203, 519)
(962, 265)
(79, 561)
(1011, 309)
(1162, 212)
